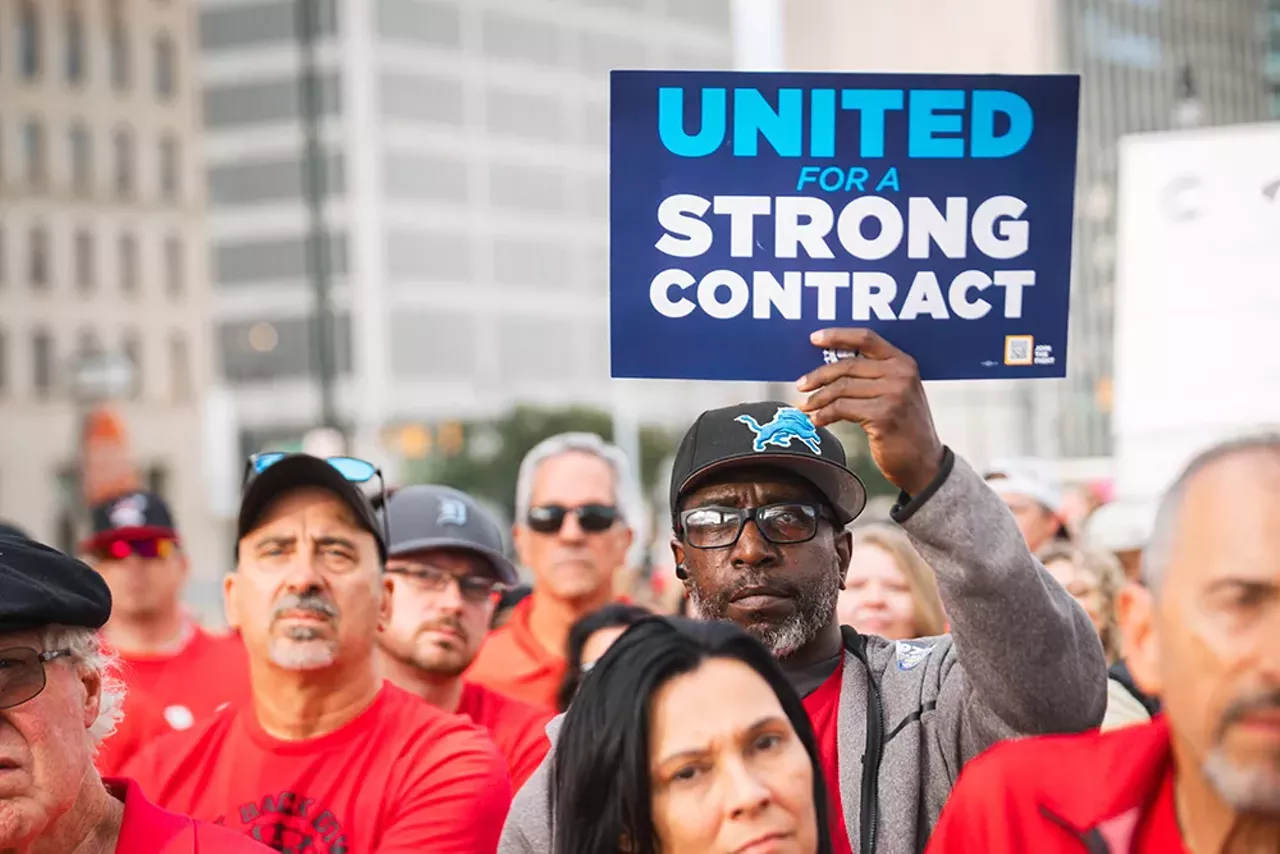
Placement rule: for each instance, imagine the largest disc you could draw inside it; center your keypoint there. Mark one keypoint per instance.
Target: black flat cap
(40, 586)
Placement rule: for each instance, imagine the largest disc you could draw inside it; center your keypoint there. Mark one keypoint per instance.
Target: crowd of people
(978, 674)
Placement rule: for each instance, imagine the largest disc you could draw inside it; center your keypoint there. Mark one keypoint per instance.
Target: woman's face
(876, 599)
(728, 777)
(1082, 587)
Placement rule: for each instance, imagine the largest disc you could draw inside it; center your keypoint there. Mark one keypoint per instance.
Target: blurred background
(380, 226)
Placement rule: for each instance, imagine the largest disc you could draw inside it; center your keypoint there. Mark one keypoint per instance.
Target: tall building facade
(466, 168)
(1271, 36)
(101, 251)
(1145, 66)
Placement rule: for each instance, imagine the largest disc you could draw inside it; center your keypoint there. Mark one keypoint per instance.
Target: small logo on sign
(911, 654)
(786, 426)
(452, 512)
(1019, 349)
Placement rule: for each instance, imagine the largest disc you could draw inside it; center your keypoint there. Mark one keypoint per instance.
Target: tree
(489, 463)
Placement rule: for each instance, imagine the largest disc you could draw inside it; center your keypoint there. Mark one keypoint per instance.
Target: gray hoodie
(1022, 659)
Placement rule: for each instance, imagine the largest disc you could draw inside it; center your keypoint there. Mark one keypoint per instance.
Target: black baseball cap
(295, 471)
(131, 516)
(773, 434)
(40, 586)
(439, 517)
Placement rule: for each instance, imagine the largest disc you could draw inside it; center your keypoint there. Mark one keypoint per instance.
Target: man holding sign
(761, 495)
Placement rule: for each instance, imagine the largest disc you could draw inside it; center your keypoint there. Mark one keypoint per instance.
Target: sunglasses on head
(592, 518)
(147, 548)
(352, 469)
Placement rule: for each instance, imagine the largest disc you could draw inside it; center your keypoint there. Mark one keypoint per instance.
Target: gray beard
(1252, 790)
(813, 612)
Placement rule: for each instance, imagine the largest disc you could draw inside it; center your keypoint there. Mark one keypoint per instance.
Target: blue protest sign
(749, 209)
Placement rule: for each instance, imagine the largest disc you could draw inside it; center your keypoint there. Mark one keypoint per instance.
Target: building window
(38, 259)
(180, 366)
(170, 168)
(129, 283)
(81, 159)
(29, 39)
(33, 150)
(4, 361)
(174, 267)
(166, 69)
(124, 162)
(86, 265)
(42, 362)
(75, 42)
(119, 48)
(131, 345)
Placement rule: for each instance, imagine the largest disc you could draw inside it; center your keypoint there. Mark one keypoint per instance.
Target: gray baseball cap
(439, 517)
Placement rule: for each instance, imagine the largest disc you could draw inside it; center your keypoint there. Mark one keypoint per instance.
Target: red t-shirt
(512, 661)
(1159, 832)
(190, 684)
(402, 777)
(823, 706)
(143, 723)
(147, 829)
(519, 729)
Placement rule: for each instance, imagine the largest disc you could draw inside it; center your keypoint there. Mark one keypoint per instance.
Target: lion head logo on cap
(787, 425)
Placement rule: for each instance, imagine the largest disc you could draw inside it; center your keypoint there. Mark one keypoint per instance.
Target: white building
(466, 149)
(101, 248)
(1145, 66)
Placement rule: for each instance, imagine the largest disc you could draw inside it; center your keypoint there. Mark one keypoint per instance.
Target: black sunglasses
(22, 675)
(353, 469)
(592, 518)
(785, 523)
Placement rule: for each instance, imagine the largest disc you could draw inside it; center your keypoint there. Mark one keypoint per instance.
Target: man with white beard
(327, 757)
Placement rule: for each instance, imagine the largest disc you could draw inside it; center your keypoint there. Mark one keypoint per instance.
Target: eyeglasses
(22, 676)
(720, 527)
(473, 589)
(592, 518)
(353, 469)
(148, 549)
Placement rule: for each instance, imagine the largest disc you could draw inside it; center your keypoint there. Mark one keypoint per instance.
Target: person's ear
(384, 604)
(1140, 637)
(92, 682)
(844, 551)
(229, 600)
(677, 552)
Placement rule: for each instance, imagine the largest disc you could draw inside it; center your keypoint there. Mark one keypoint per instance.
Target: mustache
(1263, 701)
(312, 602)
(451, 623)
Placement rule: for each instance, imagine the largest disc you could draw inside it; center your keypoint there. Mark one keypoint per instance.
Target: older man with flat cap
(59, 698)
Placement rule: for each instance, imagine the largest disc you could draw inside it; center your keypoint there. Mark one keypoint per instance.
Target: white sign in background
(1197, 350)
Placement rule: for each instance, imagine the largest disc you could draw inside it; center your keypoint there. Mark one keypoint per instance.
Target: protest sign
(749, 209)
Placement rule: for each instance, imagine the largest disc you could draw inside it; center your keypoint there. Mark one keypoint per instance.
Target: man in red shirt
(761, 494)
(1204, 635)
(327, 757)
(447, 569)
(184, 670)
(576, 507)
(58, 696)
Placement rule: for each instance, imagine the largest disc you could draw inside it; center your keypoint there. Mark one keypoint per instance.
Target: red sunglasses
(153, 547)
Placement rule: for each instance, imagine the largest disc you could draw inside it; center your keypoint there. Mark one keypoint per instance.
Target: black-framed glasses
(592, 518)
(473, 589)
(22, 675)
(785, 523)
(352, 469)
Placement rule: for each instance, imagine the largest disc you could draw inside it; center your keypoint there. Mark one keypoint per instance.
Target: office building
(101, 252)
(466, 178)
(1145, 66)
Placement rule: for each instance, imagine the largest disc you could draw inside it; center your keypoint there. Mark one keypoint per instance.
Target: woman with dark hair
(590, 638)
(686, 737)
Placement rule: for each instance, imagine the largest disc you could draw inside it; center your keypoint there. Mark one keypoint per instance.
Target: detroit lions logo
(130, 512)
(786, 426)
